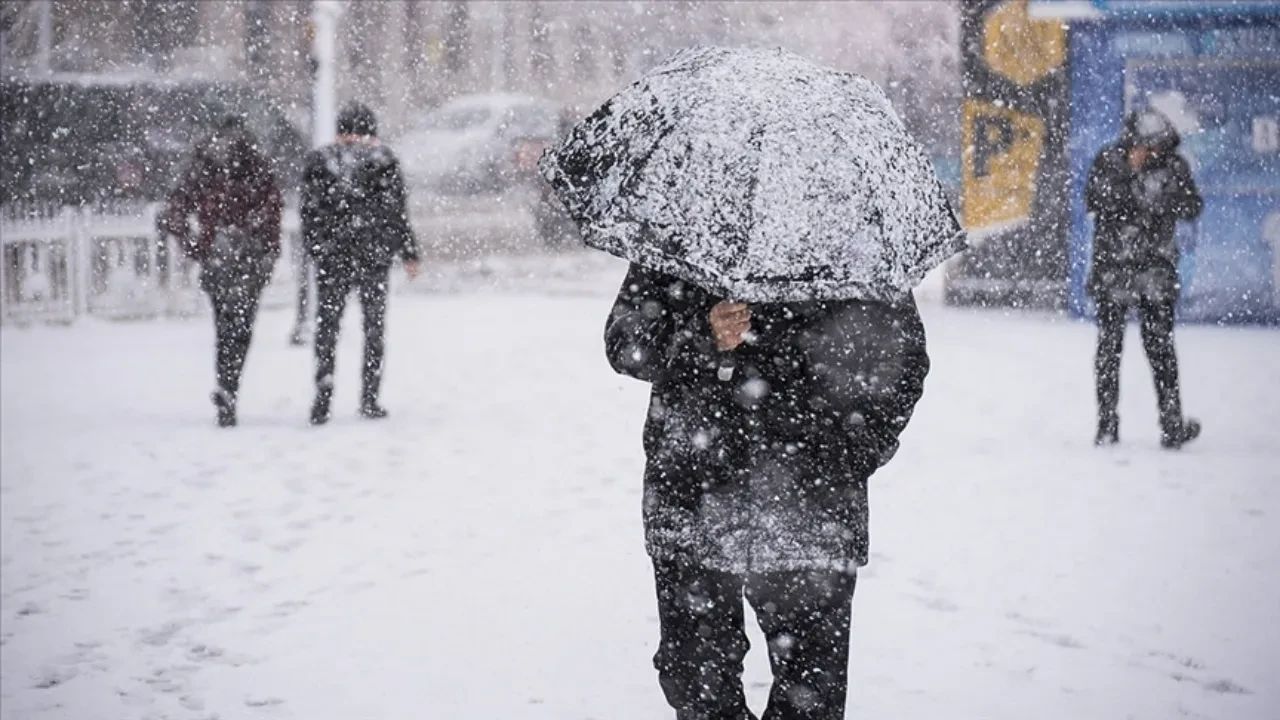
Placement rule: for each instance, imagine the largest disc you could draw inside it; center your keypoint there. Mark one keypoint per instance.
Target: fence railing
(60, 263)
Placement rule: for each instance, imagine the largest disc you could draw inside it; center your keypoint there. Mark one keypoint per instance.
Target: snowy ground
(478, 555)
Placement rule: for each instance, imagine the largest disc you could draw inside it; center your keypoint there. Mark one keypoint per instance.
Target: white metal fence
(59, 263)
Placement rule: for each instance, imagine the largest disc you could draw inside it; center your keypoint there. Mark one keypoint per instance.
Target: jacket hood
(1151, 128)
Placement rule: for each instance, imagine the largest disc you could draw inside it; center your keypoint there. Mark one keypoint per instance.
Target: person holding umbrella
(776, 215)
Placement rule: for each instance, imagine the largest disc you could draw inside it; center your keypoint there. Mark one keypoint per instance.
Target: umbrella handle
(728, 364)
(729, 361)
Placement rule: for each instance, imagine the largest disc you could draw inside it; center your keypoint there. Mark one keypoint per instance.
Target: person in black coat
(355, 222)
(1138, 188)
(230, 188)
(764, 425)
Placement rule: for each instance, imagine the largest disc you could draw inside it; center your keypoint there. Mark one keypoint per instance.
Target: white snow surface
(479, 555)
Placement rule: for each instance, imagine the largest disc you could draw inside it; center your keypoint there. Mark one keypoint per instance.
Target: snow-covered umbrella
(759, 176)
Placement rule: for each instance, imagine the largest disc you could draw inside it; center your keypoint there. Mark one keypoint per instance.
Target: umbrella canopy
(759, 176)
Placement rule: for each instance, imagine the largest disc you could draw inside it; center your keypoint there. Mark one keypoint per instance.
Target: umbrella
(759, 176)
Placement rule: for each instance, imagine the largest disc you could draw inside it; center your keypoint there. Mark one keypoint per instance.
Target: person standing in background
(355, 222)
(1138, 188)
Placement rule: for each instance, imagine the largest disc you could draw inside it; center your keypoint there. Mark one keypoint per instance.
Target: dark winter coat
(228, 186)
(1135, 251)
(354, 206)
(767, 471)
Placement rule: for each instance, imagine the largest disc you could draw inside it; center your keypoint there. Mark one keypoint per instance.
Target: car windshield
(177, 117)
(462, 118)
(529, 121)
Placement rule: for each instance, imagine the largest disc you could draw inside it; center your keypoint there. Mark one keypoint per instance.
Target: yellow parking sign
(1000, 164)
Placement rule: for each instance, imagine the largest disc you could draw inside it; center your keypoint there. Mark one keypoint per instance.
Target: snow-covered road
(478, 555)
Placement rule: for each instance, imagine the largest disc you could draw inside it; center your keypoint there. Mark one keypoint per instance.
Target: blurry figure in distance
(355, 222)
(1138, 188)
(230, 188)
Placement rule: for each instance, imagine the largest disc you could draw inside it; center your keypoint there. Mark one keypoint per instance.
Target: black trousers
(334, 283)
(1156, 323)
(235, 307)
(805, 617)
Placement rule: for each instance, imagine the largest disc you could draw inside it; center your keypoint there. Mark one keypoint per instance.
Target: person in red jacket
(230, 189)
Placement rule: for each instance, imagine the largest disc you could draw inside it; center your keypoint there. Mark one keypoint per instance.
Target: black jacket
(767, 471)
(1135, 251)
(354, 206)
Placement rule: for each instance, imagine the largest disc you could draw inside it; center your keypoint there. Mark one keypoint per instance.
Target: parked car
(76, 140)
(555, 228)
(469, 144)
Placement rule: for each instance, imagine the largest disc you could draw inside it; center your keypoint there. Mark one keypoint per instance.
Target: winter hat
(356, 118)
(1150, 128)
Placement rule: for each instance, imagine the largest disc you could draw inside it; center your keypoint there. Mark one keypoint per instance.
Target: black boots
(1173, 435)
(320, 408)
(225, 402)
(369, 409)
(1108, 432)
(1180, 433)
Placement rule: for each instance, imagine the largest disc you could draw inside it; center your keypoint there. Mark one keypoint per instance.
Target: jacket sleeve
(1095, 189)
(872, 379)
(1107, 193)
(398, 213)
(179, 206)
(658, 329)
(265, 218)
(1184, 201)
(312, 211)
(888, 416)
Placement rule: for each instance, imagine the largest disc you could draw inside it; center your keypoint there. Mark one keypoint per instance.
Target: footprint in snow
(29, 608)
(53, 677)
(1185, 661)
(1029, 621)
(1224, 686)
(1064, 641)
(160, 636)
(937, 603)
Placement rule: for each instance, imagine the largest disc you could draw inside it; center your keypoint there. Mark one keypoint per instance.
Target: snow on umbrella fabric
(758, 176)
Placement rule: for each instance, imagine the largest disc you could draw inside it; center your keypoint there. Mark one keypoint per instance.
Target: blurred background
(102, 101)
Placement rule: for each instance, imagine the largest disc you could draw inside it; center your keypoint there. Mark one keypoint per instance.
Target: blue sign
(1229, 114)
(1216, 79)
(1099, 9)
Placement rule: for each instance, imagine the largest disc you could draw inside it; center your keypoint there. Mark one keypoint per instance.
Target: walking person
(768, 303)
(757, 486)
(230, 188)
(1138, 188)
(355, 222)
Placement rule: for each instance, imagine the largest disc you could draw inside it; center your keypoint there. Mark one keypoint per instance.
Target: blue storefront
(1214, 68)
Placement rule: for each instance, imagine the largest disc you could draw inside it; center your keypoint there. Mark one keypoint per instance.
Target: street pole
(324, 119)
(44, 40)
